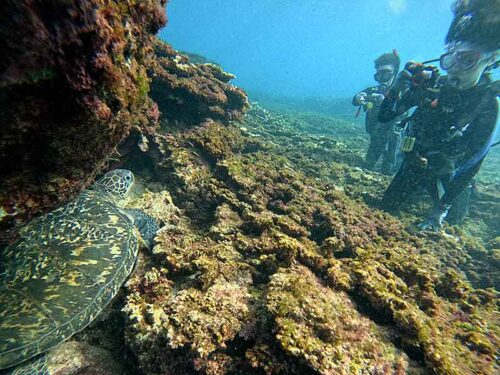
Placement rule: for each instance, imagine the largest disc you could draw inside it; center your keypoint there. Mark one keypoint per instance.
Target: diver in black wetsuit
(383, 141)
(454, 123)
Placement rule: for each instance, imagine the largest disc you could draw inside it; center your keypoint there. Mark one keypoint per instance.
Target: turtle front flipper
(145, 223)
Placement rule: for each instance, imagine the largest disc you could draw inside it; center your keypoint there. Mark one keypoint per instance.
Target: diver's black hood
(477, 22)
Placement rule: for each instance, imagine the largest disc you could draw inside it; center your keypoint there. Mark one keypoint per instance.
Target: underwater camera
(424, 75)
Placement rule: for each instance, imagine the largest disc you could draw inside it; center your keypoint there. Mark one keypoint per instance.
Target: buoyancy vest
(444, 119)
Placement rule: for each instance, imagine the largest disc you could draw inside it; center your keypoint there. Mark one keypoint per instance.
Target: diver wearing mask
(454, 123)
(384, 141)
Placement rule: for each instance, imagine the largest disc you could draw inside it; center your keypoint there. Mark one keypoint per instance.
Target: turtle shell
(63, 271)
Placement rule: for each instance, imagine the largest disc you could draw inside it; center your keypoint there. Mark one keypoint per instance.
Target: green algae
(41, 75)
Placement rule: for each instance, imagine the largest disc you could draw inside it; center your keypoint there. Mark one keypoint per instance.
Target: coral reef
(273, 267)
(323, 328)
(73, 83)
(191, 93)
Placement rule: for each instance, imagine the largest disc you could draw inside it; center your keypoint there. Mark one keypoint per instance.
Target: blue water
(304, 48)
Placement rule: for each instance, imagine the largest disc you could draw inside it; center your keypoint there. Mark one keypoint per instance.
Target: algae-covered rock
(207, 321)
(319, 282)
(190, 93)
(76, 358)
(71, 358)
(73, 83)
(272, 257)
(323, 328)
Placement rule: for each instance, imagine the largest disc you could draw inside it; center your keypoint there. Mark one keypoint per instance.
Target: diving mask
(464, 60)
(384, 76)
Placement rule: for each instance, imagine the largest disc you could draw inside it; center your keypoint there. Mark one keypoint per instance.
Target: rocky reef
(268, 265)
(73, 83)
(190, 93)
(272, 257)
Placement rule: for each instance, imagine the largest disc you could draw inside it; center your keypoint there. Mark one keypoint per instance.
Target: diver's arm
(477, 141)
(478, 135)
(404, 93)
(395, 104)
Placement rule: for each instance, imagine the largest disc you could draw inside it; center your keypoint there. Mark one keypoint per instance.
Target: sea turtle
(67, 266)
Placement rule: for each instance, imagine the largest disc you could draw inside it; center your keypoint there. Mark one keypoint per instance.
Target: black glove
(376, 98)
(416, 75)
(404, 79)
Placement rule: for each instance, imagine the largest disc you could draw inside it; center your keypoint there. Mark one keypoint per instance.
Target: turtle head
(117, 183)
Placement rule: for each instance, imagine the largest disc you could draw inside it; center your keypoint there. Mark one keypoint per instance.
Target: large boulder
(190, 93)
(73, 83)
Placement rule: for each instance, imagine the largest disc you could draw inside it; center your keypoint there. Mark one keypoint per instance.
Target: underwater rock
(73, 83)
(312, 280)
(189, 96)
(76, 358)
(71, 358)
(191, 93)
(322, 328)
(271, 258)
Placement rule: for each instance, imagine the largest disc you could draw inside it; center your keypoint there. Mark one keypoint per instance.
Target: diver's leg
(401, 187)
(458, 184)
(433, 185)
(454, 188)
(460, 207)
(375, 149)
(390, 155)
(458, 195)
(370, 154)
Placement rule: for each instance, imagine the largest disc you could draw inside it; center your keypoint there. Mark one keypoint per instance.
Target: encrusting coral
(323, 329)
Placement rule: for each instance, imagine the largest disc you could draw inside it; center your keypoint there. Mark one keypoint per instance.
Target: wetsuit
(453, 131)
(383, 142)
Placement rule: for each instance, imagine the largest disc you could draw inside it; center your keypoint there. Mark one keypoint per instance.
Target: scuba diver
(384, 137)
(454, 123)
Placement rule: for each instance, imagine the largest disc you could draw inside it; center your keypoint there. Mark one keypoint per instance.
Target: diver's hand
(404, 79)
(377, 98)
(413, 74)
(361, 98)
(420, 76)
